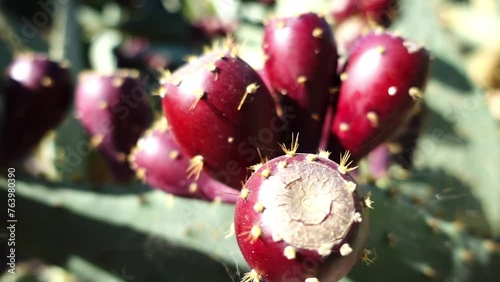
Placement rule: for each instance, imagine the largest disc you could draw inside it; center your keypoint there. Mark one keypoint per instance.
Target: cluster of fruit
(298, 215)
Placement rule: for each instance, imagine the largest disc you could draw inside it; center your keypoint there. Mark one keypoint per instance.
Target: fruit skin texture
(37, 97)
(385, 76)
(306, 190)
(301, 61)
(158, 161)
(348, 33)
(115, 110)
(219, 108)
(381, 12)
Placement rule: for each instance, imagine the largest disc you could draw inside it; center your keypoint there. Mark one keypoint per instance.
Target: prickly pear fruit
(301, 60)
(267, 82)
(276, 96)
(381, 12)
(221, 114)
(115, 110)
(300, 218)
(158, 160)
(348, 32)
(341, 10)
(38, 94)
(382, 87)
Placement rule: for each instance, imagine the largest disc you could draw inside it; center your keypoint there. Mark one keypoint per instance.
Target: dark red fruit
(36, 99)
(344, 9)
(381, 12)
(348, 32)
(221, 114)
(382, 86)
(301, 60)
(265, 78)
(300, 218)
(267, 82)
(158, 161)
(115, 110)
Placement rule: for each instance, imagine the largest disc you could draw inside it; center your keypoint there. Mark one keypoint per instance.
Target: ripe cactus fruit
(36, 99)
(380, 12)
(385, 76)
(344, 9)
(300, 218)
(115, 110)
(301, 61)
(348, 33)
(158, 160)
(221, 114)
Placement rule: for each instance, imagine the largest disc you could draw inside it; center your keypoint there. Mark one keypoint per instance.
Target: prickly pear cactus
(436, 219)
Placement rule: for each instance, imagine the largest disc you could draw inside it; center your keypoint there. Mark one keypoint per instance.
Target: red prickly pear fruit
(379, 12)
(385, 76)
(265, 78)
(301, 61)
(330, 112)
(342, 10)
(37, 97)
(158, 161)
(267, 82)
(348, 33)
(221, 114)
(115, 110)
(300, 218)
